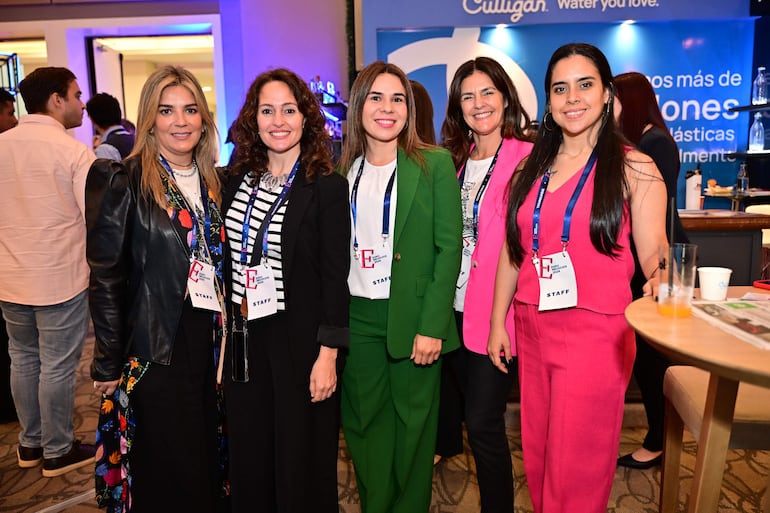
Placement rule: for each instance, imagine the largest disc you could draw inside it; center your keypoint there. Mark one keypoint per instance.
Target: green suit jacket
(427, 246)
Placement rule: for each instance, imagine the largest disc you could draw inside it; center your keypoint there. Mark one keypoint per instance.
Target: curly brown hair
(251, 153)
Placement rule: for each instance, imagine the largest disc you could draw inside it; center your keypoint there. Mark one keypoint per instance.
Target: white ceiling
(193, 52)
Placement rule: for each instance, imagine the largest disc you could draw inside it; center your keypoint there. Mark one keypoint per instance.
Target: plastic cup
(714, 282)
(676, 279)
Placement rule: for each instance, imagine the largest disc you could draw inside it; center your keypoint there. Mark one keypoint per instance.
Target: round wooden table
(730, 360)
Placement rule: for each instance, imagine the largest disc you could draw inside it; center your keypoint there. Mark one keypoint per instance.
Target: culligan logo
(516, 8)
(452, 51)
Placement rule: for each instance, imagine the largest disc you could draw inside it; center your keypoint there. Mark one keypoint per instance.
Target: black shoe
(630, 462)
(29, 457)
(80, 455)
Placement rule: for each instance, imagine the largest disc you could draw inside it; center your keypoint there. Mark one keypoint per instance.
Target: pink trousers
(574, 367)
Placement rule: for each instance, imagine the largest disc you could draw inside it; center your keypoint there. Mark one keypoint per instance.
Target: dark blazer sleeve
(110, 206)
(334, 222)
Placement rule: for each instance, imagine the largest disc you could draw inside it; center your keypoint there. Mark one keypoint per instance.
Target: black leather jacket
(139, 265)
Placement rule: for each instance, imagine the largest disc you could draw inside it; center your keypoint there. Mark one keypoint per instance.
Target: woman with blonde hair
(155, 251)
(404, 256)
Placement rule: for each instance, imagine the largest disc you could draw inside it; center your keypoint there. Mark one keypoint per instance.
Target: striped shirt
(234, 223)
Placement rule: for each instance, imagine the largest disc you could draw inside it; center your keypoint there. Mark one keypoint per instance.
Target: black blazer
(315, 246)
(139, 263)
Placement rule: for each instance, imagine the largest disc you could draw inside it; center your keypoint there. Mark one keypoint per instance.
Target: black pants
(649, 369)
(283, 448)
(174, 458)
(449, 438)
(485, 393)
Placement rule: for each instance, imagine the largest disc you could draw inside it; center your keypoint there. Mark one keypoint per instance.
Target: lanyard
(570, 206)
(195, 220)
(481, 191)
(385, 205)
(268, 217)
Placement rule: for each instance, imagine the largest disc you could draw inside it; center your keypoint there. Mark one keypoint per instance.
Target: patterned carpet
(454, 485)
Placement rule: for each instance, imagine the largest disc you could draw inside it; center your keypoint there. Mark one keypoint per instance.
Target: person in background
(7, 409)
(640, 120)
(128, 125)
(43, 292)
(404, 258)
(449, 437)
(286, 217)
(573, 209)
(7, 111)
(424, 113)
(115, 142)
(155, 238)
(484, 130)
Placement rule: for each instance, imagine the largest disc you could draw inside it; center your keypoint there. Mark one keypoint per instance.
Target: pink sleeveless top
(603, 282)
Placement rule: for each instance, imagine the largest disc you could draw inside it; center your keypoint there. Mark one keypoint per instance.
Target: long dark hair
(610, 185)
(455, 134)
(640, 107)
(423, 113)
(251, 153)
(355, 142)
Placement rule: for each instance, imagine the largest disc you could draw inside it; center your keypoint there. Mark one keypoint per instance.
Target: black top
(665, 154)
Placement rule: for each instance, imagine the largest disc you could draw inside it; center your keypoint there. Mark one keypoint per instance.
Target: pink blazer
(481, 281)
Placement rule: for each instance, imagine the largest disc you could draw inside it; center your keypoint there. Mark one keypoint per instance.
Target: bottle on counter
(759, 89)
(757, 134)
(742, 180)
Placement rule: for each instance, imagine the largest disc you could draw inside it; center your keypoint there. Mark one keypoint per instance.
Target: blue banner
(699, 69)
(379, 14)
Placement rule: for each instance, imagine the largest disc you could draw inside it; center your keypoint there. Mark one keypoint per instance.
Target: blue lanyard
(385, 205)
(570, 206)
(193, 215)
(481, 191)
(268, 217)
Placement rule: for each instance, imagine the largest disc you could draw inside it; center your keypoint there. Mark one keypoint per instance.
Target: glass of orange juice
(676, 275)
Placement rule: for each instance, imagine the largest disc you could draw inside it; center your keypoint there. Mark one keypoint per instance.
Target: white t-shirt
(475, 171)
(189, 185)
(367, 227)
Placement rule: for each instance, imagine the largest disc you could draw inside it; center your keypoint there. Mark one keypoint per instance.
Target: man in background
(7, 410)
(115, 142)
(43, 292)
(7, 111)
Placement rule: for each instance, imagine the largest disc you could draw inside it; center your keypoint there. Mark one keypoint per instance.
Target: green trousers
(389, 415)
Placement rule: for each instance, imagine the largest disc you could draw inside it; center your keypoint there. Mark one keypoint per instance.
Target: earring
(605, 111)
(152, 131)
(546, 117)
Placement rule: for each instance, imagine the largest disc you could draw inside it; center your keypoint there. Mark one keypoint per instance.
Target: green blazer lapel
(407, 178)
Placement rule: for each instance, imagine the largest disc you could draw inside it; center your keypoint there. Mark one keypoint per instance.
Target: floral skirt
(114, 436)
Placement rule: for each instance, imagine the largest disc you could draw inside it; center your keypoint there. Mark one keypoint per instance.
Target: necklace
(185, 166)
(271, 183)
(192, 172)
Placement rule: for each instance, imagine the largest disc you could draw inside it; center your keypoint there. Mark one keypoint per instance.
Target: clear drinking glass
(676, 275)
